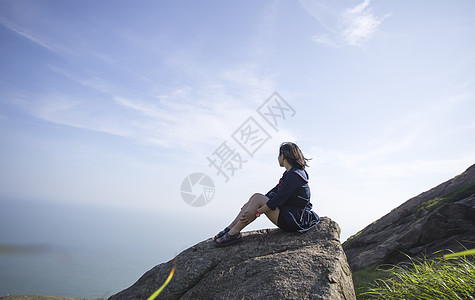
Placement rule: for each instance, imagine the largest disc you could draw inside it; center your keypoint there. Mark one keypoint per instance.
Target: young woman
(287, 205)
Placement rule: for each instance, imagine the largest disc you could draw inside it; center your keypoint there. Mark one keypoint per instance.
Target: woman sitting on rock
(287, 205)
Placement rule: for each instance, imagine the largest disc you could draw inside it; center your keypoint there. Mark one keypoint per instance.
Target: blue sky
(114, 103)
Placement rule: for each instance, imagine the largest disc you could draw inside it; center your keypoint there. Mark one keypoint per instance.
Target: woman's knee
(258, 198)
(257, 195)
(253, 199)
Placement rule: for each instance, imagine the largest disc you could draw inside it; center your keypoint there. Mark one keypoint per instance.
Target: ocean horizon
(69, 250)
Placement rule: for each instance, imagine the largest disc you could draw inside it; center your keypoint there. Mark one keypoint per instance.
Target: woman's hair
(293, 155)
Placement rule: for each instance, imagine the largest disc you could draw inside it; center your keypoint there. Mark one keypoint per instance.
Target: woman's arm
(291, 183)
(263, 209)
(272, 192)
(249, 216)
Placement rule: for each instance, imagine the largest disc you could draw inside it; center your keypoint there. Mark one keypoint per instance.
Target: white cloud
(13, 27)
(173, 101)
(360, 24)
(343, 26)
(188, 118)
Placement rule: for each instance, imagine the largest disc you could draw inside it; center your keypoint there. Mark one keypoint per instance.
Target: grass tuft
(424, 278)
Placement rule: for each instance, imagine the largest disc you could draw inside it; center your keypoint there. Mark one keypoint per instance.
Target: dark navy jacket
(292, 190)
(292, 197)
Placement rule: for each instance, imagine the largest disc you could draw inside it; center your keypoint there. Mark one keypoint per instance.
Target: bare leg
(238, 217)
(255, 202)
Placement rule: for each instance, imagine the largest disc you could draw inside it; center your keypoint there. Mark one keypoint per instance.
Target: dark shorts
(296, 219)
(282, 224)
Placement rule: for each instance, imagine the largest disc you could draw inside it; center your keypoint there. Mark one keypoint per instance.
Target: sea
(81, 251)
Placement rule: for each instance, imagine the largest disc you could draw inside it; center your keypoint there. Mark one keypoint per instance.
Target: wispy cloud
(360, 24)
(404, 145)
(28, 35)
(188, 117)
(344, 26)
(167, 98)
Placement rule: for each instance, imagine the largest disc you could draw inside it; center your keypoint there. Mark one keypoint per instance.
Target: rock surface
(442, 218)
(267, 264)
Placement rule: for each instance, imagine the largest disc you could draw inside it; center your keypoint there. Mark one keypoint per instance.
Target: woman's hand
(248, 216)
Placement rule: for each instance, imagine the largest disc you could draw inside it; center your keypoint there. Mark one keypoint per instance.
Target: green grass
(463, 192)
(420, 279)
(358, 233)
(362, 280)
(354, 236)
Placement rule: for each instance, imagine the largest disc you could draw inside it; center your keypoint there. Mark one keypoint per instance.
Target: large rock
(267, 264)
(430, 224)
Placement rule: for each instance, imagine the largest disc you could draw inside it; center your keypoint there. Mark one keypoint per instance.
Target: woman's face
(281, 159)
